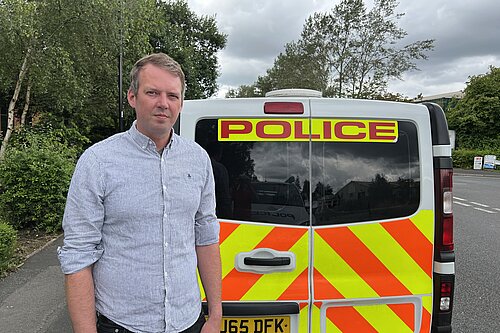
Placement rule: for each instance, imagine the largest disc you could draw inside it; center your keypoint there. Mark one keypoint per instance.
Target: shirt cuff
(74, 261)
(207, 234)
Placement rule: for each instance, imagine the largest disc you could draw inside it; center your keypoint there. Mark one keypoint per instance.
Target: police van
(336, 215)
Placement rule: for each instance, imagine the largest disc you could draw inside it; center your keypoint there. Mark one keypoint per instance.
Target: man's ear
(131, 98)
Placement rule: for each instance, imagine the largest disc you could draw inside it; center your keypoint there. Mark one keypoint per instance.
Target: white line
(461, 203)
(484, 210)
(497, 209)
(479, 204)
(457, 198)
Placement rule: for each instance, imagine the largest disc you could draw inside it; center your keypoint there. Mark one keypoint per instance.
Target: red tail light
(283, 108)
(445, 300)
(444, 209)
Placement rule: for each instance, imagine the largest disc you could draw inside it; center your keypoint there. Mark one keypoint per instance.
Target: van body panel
(334, 205)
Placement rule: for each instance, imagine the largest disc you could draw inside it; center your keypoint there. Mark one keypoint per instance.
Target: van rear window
(287, 182)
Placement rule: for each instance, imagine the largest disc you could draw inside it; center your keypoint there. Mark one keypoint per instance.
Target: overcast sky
(467, 34)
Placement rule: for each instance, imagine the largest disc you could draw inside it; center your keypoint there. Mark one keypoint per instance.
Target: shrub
(8, 240)
(464, 158)
(34, 179)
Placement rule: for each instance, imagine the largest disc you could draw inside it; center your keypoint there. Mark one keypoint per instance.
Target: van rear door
(372, 216)
(260, 154)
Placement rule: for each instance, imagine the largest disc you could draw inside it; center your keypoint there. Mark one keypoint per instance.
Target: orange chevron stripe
(426, 321)
(323, 289)
(282, 239)
(363, 261)
(226, 229)
(298, 289)
(406, 312)
(348, 320)
(413, 241)
(236, 284)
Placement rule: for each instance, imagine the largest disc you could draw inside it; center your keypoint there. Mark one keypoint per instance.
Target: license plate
(255, 325)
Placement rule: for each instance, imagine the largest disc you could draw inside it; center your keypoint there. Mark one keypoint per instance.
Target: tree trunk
(12, 104)
(26, 104)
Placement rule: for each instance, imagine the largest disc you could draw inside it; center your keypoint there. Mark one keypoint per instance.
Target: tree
(348, 52)
(194, 42)
(476, 117)
(60, 59)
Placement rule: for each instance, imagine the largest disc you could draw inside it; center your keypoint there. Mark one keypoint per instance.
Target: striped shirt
(136, 215)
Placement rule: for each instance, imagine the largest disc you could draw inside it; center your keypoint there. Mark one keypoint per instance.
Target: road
(477, 247)
(32, 299)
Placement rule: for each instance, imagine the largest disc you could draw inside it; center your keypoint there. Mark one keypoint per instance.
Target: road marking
(497, 209)
(457, 198)
(484, 210)
(461, 204)
(479, 204)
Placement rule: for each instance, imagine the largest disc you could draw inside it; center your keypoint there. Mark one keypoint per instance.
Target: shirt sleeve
(83, 216)
(206, 224)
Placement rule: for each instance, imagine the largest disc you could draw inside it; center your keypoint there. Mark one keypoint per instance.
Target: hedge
(8, 242)
(464, 158)
(34, 179)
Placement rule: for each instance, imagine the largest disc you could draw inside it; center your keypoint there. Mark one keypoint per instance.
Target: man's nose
(163, 100)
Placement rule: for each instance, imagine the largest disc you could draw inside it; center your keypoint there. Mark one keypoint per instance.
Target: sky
(466, 33)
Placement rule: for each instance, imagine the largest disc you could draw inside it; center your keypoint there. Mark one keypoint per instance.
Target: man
(140, 218)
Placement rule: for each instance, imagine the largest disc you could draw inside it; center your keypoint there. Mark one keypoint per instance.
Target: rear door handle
(277, 261)
(264, 261)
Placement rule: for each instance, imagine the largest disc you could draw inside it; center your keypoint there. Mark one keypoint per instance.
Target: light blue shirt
(137, 215)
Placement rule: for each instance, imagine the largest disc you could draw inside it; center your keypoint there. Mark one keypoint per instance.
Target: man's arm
(209, 266)
(81, 302)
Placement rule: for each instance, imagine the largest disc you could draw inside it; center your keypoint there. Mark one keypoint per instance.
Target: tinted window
(258, 181)
(355, 182)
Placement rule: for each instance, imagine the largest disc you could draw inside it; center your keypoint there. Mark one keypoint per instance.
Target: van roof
(294, 93)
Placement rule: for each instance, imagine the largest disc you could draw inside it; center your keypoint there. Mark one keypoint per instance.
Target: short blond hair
(161, 60)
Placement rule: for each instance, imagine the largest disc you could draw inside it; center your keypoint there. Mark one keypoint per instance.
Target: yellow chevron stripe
(271, 286)
(427, 303)
(333, 267)
(394, 257)
(315, 319)
(243, 238)
(383, 319)
(424, 221)
(304, 319)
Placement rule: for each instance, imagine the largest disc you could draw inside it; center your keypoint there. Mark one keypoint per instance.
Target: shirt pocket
(186, 189)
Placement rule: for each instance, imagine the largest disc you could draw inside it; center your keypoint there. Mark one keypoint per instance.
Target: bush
(8, 240)
(464, 158)
(34, 179)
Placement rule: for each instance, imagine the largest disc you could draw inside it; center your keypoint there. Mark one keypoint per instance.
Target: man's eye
(151, 93)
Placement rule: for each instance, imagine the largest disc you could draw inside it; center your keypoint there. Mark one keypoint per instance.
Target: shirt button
(166, 243)
(164, 188)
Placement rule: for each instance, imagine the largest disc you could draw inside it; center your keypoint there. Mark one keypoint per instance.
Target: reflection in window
(355, 182)
(266, 181)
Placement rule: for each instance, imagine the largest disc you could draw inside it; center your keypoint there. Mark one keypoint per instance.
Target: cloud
(465, 32)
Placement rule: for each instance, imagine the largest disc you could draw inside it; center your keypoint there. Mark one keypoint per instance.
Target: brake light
(283, 108)
(445, 300)
(444, 209)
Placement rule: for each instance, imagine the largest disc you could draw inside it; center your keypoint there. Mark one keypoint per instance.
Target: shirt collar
(144, 141)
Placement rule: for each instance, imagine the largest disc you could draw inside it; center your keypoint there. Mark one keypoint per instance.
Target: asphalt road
(32, 299)
(477, 247)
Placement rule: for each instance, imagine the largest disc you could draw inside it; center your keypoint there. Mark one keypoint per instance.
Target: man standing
(140, 218)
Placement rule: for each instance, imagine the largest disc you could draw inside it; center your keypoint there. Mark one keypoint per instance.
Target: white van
(336, 215)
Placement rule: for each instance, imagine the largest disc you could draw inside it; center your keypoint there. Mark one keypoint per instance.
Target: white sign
(478, 163)
(489, 161)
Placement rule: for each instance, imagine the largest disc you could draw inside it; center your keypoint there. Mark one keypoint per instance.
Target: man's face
(158, 102)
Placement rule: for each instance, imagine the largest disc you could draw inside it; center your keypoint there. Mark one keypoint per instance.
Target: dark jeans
(104, 325)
